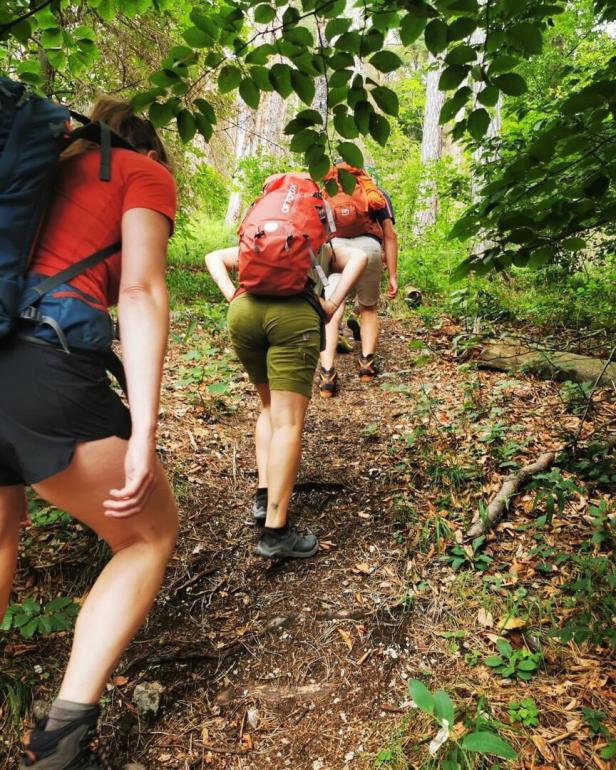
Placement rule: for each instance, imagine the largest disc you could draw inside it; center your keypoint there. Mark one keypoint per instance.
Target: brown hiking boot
(367, 368)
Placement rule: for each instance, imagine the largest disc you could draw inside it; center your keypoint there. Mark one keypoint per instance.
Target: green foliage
(512, 664)
(524, 711)
(469, 556)
(481, 738)
(29, 618)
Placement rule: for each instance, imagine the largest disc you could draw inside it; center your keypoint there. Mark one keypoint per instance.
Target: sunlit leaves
(386, 61)
(264, 13)
(478, 122)
(511, 83)
(229, 78)
(436, 36)
(351, 154)
(411, 28)
(526, 37)
(386, 99)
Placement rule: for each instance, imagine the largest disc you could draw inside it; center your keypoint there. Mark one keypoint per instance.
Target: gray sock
(64, 711)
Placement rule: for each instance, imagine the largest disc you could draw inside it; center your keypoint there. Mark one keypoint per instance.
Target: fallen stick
(511, 486)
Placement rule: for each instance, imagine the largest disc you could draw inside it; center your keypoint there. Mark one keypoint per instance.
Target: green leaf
(371, 42)
(435, 36)
(337, 27)
(206, 109)
(511, 83)
(303, 140)
(581, 102)
(484, 742)
(260, 54)
(386, 61)
(311, 117)
(539, 257)
(29, 629)
(348, 42)
(478, 123)
(528, 665)
(22, 31)
(459, 272)
(205, 23)
(160, 114)
(345, 126)
(493, 661)
(331, 188)
(411, 28)
(187, 126)
(319, 166)
(421, 696)
(502, 63)
(525, 37)
(264, 13)
(488, 96)
(386, 99)
(574, 244)
(196, 38)
(164, 78)
(351, 154)
(217, 388)
(443, 707)
(347, 181)
(379, 128)
(250, 93)
(280, 76)
(143, 99)
(260, 77)
(51, 38)
(303, 85)
(229, 78)
(452, 76)
(461, 54)
(300, 36)
(363, 111)
(204, 127)
(461, 28)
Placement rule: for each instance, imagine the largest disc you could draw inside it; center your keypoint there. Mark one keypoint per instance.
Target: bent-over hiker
(65, 432)
(365, 221)
(277, 337)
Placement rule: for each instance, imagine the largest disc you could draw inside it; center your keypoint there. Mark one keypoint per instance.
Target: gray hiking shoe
(259, 510)
(291, 545)
(69, 748)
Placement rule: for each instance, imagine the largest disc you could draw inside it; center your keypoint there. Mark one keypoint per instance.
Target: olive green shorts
(277, 341)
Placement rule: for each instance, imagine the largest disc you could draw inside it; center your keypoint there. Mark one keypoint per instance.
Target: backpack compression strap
(101, 134)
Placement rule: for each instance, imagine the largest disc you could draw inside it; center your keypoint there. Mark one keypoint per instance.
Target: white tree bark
(244, 140)
(431, 148)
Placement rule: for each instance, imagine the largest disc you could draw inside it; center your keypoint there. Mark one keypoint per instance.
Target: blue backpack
(34, 131)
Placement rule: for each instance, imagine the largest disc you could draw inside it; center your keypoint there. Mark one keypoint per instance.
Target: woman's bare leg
(288, 411)
(263, 434)
(12, 510)
(142, 544)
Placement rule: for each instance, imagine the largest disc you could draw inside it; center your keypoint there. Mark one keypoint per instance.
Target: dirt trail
(305, 664)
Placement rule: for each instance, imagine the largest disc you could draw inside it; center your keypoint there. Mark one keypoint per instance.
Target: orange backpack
(354, 214)
(280, 235)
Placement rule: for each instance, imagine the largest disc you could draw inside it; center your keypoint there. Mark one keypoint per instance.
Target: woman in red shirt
(65, 432)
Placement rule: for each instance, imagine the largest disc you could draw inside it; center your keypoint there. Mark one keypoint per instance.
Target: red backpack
(354, 213)
(280, 235)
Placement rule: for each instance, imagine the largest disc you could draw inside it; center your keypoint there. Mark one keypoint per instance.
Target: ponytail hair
(120, 118)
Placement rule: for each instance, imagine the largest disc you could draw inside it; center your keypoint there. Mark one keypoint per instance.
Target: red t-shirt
(85, 215)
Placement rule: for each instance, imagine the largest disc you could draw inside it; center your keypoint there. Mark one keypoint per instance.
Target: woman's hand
(329, 308)
(139, 479)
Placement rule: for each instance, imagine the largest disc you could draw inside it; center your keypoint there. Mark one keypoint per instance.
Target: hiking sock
(261, 495)
(63, 712)
(271, 534)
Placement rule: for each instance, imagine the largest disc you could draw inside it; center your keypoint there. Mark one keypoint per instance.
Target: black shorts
(49, 402)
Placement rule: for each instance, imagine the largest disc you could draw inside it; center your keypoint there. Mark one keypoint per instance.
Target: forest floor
(306, 664)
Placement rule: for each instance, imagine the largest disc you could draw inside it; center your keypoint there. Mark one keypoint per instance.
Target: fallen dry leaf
(346, 638)
(510, 622)
(485, 618)
(543, 747)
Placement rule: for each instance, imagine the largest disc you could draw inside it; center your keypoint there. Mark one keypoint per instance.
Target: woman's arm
(390, 250)
(353, 261)
(219, 263)
(143, 311)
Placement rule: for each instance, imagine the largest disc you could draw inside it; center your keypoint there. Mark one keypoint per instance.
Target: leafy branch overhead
(557, 184)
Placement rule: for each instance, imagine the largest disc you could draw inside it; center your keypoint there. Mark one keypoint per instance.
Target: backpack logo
(291, 195)
(269, 227)
(345, 212)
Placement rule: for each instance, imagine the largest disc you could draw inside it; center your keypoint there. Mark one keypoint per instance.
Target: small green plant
(575, 395)
(472, 658)
(553, 491)
(454, 753)
(371, 432)
(595, 721)
(30, 618)
(524, 711)
(469, 555)
(48, 516)
(510, 664)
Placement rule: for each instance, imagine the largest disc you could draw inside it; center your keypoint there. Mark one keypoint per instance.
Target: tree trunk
(244, 139)
(431, 148)
(506, 356)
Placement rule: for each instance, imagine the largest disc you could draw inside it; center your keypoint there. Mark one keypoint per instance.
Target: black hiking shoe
(367, 368)
(71, 747)
(259, 509)
(353, 325)
(290, 545)
(328, 382)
